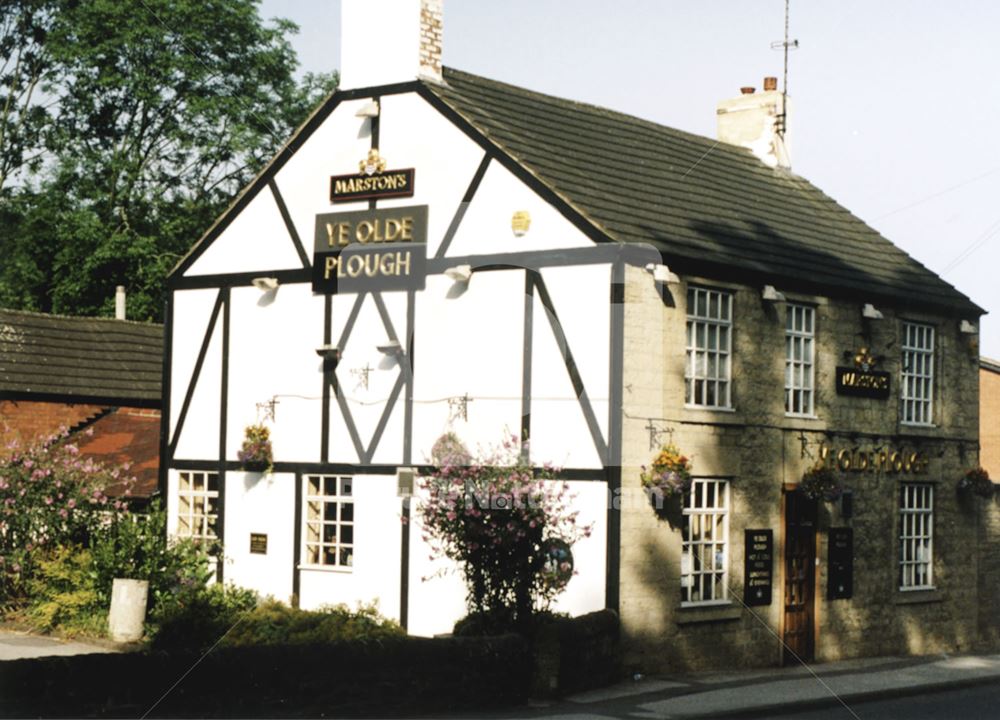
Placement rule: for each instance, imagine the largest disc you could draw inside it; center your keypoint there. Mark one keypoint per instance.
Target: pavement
(16, 645)
(775, 691)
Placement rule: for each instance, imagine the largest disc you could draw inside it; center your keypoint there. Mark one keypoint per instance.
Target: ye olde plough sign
(883, 459)
(371, 250)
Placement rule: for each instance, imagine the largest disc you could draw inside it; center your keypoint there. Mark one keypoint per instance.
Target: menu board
(758, 574)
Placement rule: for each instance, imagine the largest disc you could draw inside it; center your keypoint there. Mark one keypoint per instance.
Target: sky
(894, 104)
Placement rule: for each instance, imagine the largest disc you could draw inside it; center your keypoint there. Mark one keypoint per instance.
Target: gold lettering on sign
(874, 461)
(377, 264)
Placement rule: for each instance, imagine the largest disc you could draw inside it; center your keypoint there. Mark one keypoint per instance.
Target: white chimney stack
(120, 302)
(757, 121)
(389, 41)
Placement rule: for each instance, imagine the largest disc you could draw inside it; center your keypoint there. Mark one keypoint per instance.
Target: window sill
(712, 416)
(326, 569)
(918, 596)
(708, 613)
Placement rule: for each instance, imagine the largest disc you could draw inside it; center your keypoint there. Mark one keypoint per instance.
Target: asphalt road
(15, 646)
(975, 703)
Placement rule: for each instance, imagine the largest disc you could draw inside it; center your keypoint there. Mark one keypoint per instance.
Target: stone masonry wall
(763, 453)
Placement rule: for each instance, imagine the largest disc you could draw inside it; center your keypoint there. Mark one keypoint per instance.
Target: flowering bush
(669, 475)
(256, 450)
(495, 517)
(977, 482)
(821, 483)
(51, 497)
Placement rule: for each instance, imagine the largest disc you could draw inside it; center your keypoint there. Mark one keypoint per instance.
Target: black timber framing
(220, 523)
(526, 355)
(586, 474)
(300, 136)
(297, 539)
(329, 366)
(571, 367)
(196, 372)
(289, 225)
(530, 260)
(168, 347)
(463, 206)
(612, 575)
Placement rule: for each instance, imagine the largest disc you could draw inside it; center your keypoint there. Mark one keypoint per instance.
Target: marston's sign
(362, 186)
(863, 383)
(371, 250)
(863, 380)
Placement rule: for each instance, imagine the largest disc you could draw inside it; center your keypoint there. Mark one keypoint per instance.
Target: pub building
(437, 252)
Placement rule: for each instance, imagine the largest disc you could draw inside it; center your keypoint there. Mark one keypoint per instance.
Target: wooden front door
(800, 576)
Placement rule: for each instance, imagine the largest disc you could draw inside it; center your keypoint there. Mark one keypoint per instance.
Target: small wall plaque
(840, 564)
(258, 543)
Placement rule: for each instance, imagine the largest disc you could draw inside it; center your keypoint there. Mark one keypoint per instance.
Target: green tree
(24, 70)
(163, 110)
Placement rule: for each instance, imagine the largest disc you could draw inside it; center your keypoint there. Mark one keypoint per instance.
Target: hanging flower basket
(667, 479)
(821, 483)
(976, 482)
(255, 455)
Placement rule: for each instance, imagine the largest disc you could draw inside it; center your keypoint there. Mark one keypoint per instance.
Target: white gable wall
(468, 341)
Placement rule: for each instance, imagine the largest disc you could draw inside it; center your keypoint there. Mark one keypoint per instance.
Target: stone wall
(764, 453)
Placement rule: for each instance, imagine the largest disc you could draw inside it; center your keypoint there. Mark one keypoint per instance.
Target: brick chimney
(389, 41)
(757, 121)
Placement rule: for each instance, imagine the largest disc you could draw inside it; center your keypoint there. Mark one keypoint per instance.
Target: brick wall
(25, 420)
(761, 451)
(126, 435)
(989, 421)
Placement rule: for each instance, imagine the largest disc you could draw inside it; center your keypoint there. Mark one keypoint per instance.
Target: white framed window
(197, 505)
(705, 547)
(916, 536)
(708, 369)
(800, 340)
(328, 518)
(917, 386)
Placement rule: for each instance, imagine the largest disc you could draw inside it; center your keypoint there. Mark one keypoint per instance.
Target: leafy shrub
(494, 516)
(821, 483)
(274, 623)
(136, 546)
(976, 482)
(197, 618)
(63, 595)
(49, 498)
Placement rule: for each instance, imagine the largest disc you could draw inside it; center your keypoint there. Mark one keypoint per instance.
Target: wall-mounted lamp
(772, 295)
(368, 110)
(390, 348)
(328, 352)
(868, 312)
(459, 273)
(967, 328)
(661, 273)
(265, 284)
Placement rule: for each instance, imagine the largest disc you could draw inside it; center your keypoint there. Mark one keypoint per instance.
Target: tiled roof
(705, 205)
(987, 364)
(95, 359)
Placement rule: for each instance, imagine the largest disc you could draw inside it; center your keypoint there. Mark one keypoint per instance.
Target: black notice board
(758, 572)
(258, 543)
(840, 564)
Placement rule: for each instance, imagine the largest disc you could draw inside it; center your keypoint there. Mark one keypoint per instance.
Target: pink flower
(48, 501)
(71, 503)
(63, 513)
